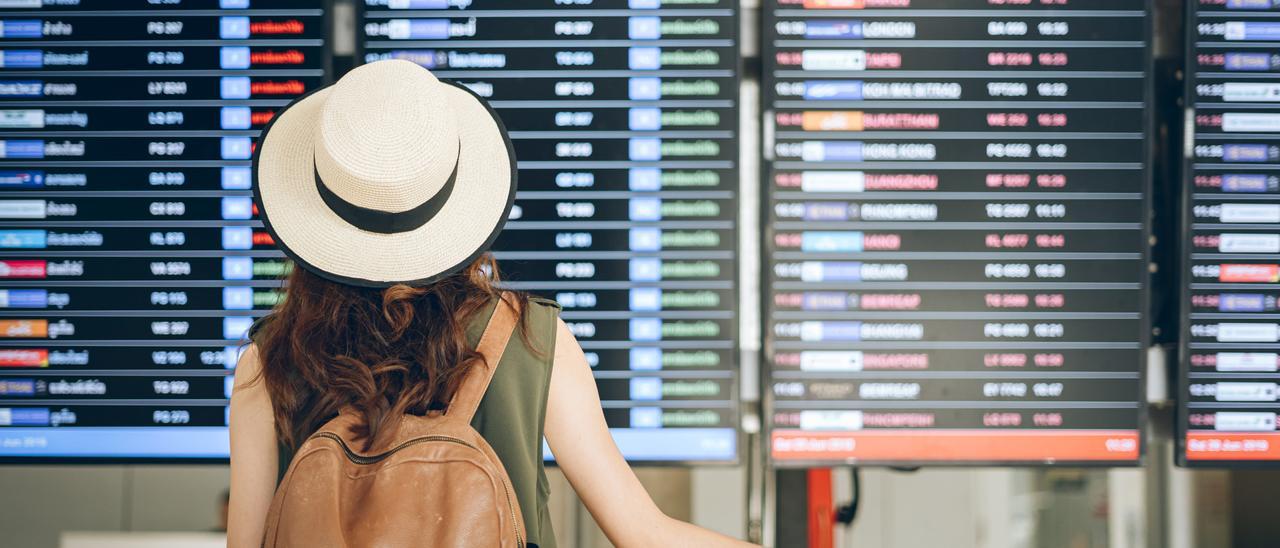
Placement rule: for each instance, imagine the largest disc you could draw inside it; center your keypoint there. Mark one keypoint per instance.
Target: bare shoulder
(249, 365)
(567, 351)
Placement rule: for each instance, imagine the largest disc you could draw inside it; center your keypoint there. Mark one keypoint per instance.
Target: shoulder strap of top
(493, 342)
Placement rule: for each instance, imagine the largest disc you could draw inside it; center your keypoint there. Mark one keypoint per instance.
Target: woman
(386, 189)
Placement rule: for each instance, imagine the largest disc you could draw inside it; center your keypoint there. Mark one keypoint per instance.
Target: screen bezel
(767, 280)
(327, 78)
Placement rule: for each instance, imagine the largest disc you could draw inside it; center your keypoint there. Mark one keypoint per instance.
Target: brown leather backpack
(434, 482)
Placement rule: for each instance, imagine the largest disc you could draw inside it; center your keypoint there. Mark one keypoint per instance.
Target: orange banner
(1210, 445)
(1249, 273)
(957, 445)
(834, 4)
(24, 328)
(832, 120)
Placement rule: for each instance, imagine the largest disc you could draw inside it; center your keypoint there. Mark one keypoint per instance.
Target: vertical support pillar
(822, 511)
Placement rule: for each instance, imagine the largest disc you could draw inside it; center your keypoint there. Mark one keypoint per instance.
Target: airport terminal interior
(848, 273)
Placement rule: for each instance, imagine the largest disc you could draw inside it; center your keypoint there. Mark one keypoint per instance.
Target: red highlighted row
(957, 445)
(1233, 446)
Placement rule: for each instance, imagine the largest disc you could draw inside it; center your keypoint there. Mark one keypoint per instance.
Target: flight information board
(624, 117)
(955, 244)
(130, 263)
(1228, 397)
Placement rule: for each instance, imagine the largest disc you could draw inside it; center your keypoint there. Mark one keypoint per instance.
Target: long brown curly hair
(383, 352)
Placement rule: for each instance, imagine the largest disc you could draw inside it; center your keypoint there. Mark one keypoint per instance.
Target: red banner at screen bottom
(957, 445)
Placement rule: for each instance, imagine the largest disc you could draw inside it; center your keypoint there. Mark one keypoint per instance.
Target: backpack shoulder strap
(493, 342)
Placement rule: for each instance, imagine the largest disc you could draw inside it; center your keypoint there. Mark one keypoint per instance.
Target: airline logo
(830, 420)
(1248, 62)
(832, 121)
(237, 208)
(21, 119)
(17, 387)
(22, 209)
(833, 29)
(242, 87)
(1246, 391)
(812, 360)
(21, 416)
(21, 88)
(1251, 30)
(24, 298)
(22, 28)
(22, 239)
(646, 359)
(23, 269)
(832, 181)
(445, 4)
(1247, 92)
(1250, 122)
(236, 178)
(855, 120)
(1248, 361)
(841, 4)
(37, 329)
(237, 117)
(1250, 213)
(831, 241)
(24, 357)
(1249, 243)
(235, 57)
(1238, 182)
(1245, 302)
(1249, 4)
(237, 148)
(21, 58)
(1248, 153)
(1244, 421)
(1248, 332)
(234, 28)
(236, 328)
(28, 149)
(1249, 273)
(645, 58)
(237, 298)
(853, 59)
(21, 179)
(819, 90)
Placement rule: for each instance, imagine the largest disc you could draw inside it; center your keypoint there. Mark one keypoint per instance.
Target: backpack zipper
(371, 459)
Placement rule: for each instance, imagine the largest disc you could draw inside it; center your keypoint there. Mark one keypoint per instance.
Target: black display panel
(131, 263)
(624, 116)
(956, 230)
(1227, 402)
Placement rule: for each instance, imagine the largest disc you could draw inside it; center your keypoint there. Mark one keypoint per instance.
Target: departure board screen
(1228, 391)
(956, 244)
(130, 261)
(624, 117)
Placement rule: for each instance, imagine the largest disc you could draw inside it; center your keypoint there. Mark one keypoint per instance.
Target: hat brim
(316, 238)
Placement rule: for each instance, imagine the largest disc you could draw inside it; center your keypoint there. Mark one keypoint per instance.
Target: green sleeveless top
(512, 412)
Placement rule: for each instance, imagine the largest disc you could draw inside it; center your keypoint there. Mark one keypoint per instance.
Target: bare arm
(254, 463)
(585, 451)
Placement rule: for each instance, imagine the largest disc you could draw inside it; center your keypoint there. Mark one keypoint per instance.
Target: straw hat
(388, 176)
